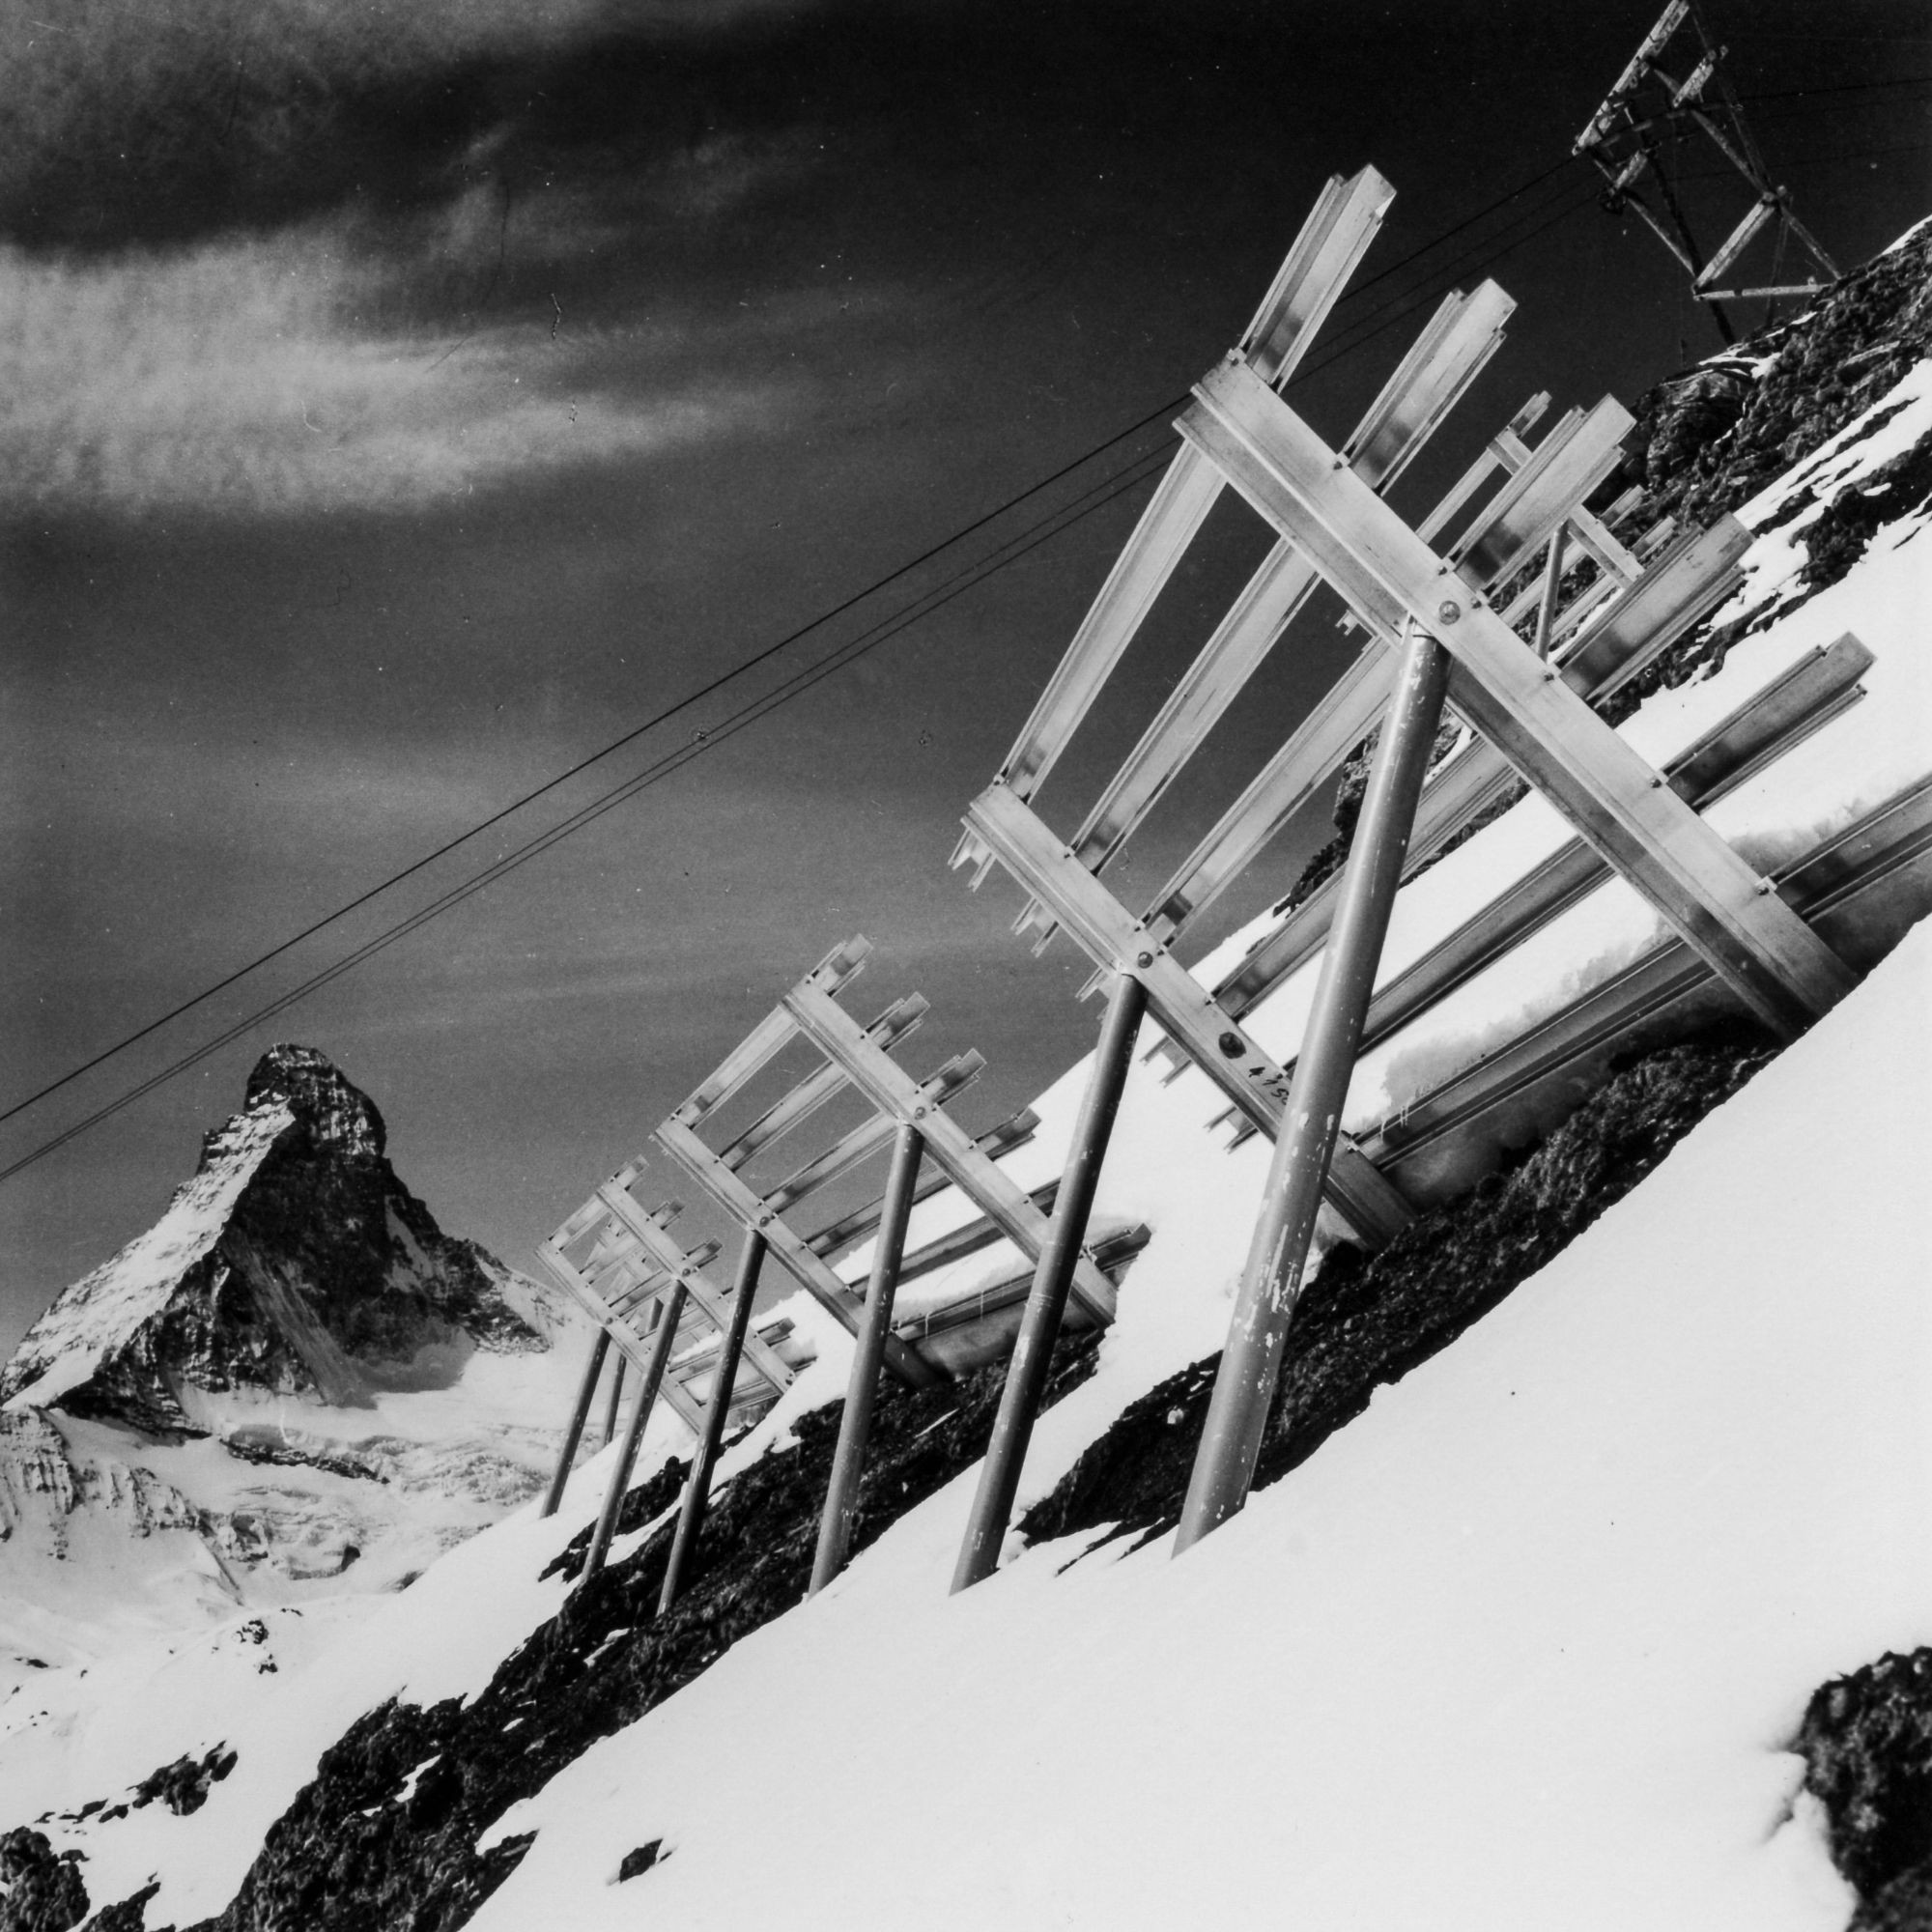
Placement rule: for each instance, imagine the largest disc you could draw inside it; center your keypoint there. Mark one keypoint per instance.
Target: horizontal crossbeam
(1325, 254)
(767, 1039)
(873, 1134)
(840, 1236)
(1808, 696)
(1460, 337)
(1545, 489)
(633, 1342)
(1683, 868)
(684, 1266)
(1688, 581)
(894, 1025)
(793, 1252)
(1211, 1037)
(891, 1090)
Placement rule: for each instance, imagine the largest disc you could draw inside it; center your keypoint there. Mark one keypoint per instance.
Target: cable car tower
(1622, 141)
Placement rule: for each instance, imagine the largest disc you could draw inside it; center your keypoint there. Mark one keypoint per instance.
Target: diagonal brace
(1613, 798)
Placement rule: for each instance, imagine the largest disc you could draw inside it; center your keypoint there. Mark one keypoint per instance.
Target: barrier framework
(906, 1115)
(1428, 602)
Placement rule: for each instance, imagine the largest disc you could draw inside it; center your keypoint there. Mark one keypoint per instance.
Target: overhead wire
(1137, 472)
(711, 687)
(1361, 329)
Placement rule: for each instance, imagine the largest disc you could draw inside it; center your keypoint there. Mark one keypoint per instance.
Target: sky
(400, 404)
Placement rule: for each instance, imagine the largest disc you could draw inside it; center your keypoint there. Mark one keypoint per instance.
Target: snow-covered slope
(1524, 1645)
(291, 1385)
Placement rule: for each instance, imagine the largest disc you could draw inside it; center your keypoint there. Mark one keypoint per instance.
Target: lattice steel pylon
(1621, 142)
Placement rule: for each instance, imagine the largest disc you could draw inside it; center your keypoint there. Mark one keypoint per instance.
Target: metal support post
(573, 1434)
(704, 1455)
(1039, 1326)
(1238, 1412)
(614, 1402)
(855, 1425)
(1552, 589)
(633, 1433)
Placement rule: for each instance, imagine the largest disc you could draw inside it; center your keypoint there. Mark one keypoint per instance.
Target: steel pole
(1237, 1411)
(697, 1489)
(669, 1315)
(1039, 1326)
(614, 1402)
(1552, 589)
(855, 1425)
(573, 1434)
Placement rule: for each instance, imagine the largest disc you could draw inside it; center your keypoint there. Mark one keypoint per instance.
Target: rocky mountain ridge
(293, 1375)
(294, 1260)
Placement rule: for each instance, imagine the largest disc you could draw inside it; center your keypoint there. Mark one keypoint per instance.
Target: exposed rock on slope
(1867, 1744)
(367, 1844)
(1367, 1320)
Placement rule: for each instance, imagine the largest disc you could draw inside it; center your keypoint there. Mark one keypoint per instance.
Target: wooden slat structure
(653, 1300)
(1802, 699)
(1458, 603)
(904, 1112)
(861, 1058)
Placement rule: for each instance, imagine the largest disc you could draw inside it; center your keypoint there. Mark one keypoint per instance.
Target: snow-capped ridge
(294, 1381)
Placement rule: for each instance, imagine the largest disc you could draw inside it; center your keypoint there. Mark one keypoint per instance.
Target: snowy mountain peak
(327, 1107)
(294, 1377)
(294, 1260)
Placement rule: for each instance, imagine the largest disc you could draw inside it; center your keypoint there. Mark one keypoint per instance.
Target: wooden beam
(812, 1273)
(840, 1236)
(1344, 219)
(1735, 243)
(689, 1271)
(1111, 937)
(867, 1139)
(1683, 868)
(1460, 338)
(892, 1026)
(892, 1091)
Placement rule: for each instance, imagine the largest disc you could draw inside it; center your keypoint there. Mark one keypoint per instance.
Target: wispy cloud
(239, 376)
(165, 119)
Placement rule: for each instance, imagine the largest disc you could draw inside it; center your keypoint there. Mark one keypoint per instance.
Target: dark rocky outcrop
(353, 1852)
(635, 1864)
(39, 1892)
(1867, 1739)
(1364, 1320)
(183, 1786)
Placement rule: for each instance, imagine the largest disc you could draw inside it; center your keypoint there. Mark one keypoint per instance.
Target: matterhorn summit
(294, 1384)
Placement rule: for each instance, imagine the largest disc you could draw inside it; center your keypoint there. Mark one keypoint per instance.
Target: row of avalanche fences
(1466, 620)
